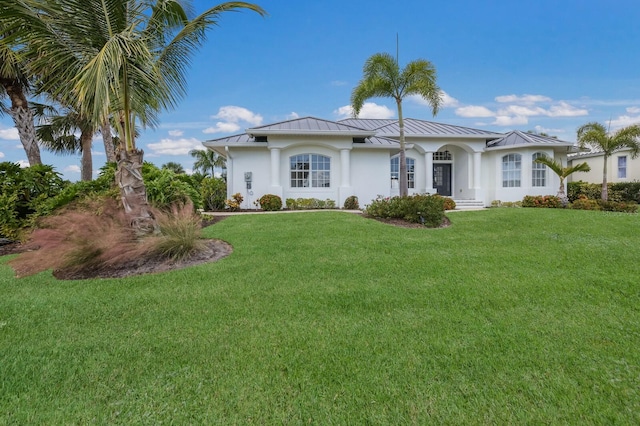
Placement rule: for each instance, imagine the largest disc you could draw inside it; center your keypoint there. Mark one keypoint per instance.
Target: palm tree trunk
(402, 179)
(605, 190)
(109, 149)
(134, 193)
(23, 119)
(86, 139)
(562, 194)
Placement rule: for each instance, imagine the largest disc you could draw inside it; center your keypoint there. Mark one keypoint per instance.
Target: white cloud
(1, 154)
(519, 110)
(235, 114)
(474, 111)
(23, 163)
(292, 116)
(540, 129)
(175, 146)
(624, 121)
(222, 127)
(368, 110)
(505, 120)
(524, 99)
(633, 110)
(563, 109)
(176, 133)
(447, 101)
(72, 169)
(10, 134)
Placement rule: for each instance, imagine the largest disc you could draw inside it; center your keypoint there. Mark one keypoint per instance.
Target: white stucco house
(315, 158)
(621, 166)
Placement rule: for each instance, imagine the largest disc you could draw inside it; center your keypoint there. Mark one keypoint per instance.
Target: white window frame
(512, 171)
(622, 167)
(395, 172)
(538, 171)
(309, 171)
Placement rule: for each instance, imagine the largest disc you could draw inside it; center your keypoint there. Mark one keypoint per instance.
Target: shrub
(543, 201)
(425, 209)
(351, 203)
(165, 188)
(309, 203)
(22, 192)
(449, 204)
(270, 202)
(213, 192)
(583, 203)
(618, 191)
(615, 206)
(235, 202)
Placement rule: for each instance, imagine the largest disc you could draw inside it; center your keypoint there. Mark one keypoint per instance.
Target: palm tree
(207, 160)
(121, 58)
(174, 167)
(384, 78)
(13, 83)
(594, 135)
(563, 173)
(58, 135)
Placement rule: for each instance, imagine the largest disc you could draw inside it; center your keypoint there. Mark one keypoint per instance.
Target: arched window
(310, 171)
(395, 172)
(538, 171)
(511, 170)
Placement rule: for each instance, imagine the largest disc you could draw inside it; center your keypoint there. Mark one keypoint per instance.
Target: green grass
(509, 316)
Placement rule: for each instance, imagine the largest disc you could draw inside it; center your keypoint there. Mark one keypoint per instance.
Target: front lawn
(508, 316)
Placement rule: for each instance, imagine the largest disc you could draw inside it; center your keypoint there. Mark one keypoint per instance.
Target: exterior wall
(256, 161)
(492, 175)
(596, 162)
(370, 174)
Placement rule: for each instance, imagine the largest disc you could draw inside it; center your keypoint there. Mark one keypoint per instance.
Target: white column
(477, 161)
(345, 165)
(275, 166)
(428, 165)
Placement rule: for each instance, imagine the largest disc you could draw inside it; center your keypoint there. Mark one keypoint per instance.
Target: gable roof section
(310, 125)
(518, 138)
(415, 127)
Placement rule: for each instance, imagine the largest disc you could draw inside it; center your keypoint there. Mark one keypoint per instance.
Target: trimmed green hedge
(618, 191)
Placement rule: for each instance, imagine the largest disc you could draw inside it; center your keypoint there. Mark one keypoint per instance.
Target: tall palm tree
(563, 173)
(594, 135)
(174, 167)
(14, 83)
(207, 160)
(384, 78)
(120, 58)
(58, 135)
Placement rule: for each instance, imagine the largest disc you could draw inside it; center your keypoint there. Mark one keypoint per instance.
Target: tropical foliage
(207, 160)
(124, 59)
(382, 77)
(595, 136)
(562, 172)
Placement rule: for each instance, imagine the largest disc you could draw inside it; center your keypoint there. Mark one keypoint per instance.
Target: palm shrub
(270, 202)
(165, 188)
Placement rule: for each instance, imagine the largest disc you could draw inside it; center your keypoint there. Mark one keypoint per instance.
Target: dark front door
(442, 178)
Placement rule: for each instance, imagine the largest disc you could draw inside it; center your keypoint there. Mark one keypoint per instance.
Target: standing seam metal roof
(517, 137)
(414, 127)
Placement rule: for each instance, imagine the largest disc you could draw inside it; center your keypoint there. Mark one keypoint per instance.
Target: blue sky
(545, 65)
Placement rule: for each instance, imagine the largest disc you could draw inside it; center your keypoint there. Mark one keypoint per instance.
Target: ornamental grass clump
(180, 233)
(425, 209)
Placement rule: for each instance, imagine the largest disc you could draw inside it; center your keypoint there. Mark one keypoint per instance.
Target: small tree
(383, 77)
(563, 173)
(594, 135)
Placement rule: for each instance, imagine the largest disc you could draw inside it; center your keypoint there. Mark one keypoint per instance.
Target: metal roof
(415, 127)
(516, 137)
(308, 125)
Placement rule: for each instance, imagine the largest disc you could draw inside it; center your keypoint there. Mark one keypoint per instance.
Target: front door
(442, 179)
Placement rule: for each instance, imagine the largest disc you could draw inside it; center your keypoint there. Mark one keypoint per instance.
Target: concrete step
(468, 204)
